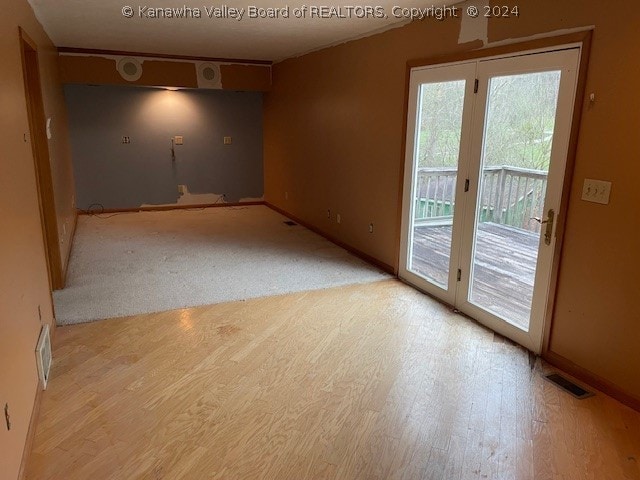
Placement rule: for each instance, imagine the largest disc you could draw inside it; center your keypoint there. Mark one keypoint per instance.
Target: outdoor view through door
(520, 117)
(437, 152)
(486, 153)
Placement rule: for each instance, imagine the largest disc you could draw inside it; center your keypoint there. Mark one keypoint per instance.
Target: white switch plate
(596, 191)
(179, 140)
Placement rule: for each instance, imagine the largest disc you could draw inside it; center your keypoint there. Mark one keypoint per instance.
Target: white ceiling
(100, 24)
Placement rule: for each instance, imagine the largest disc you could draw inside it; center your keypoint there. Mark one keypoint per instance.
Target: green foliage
(519, 124)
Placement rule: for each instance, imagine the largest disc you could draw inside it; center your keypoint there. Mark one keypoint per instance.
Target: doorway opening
(40, 147)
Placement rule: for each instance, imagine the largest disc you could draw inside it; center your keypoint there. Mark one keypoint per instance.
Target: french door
(487, 143)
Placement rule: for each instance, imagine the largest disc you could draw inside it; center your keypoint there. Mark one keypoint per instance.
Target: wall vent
(209, 75)
(43, 356)
(568, 386)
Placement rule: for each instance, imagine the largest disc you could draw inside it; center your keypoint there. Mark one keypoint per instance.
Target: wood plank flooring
(504, 270)
(373, 381)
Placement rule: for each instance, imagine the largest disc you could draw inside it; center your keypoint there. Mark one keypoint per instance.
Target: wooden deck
(504, 269)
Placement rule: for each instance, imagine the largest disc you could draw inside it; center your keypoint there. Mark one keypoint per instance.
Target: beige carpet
(148, 262)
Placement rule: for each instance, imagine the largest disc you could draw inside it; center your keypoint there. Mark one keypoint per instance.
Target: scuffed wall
(143, 172)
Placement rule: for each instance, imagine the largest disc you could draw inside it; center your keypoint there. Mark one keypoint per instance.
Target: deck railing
(510, 195)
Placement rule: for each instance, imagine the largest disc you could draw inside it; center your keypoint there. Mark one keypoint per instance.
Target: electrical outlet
(227, 140)
(179, 139)
(338, 218)
(371, 228)
(596, 191)
(7, 417)
(126, 139)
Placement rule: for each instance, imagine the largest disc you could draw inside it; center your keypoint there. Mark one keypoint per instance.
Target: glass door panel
(439, 114)
(437, 152)
(516, 154)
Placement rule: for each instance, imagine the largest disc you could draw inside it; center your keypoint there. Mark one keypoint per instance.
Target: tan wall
(333, 139)
(23, 278)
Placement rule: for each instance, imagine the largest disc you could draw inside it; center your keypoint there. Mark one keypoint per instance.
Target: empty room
(319, 241)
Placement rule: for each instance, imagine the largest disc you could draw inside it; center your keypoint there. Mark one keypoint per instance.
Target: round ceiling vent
(209, 75)
(130, 69)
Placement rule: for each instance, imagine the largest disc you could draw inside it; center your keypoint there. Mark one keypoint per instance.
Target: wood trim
(566, 188)
(358, 253)
(500, 50)
(72, 236)
(31, 432)
(592, 379)
(162, 208)
(403, 153)
(40, 150)
(95, 51)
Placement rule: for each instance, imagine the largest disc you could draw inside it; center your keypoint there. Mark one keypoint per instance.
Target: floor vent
(290, 223)
(43, 355)
(568, 386)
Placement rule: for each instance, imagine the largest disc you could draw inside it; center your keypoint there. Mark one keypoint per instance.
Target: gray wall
(119, 175)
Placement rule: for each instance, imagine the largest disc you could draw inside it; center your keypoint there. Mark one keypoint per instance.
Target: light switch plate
(179, 140)
(227, 140)
(596, 191)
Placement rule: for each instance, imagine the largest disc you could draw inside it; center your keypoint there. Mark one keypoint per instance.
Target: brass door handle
(539, 220)
(549, 222)
(551, 214)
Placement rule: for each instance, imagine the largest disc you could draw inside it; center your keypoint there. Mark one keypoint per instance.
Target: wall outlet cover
(596, 191)
(227, 140)
(179, 140)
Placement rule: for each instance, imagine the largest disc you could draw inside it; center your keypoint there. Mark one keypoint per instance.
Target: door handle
(549, 223)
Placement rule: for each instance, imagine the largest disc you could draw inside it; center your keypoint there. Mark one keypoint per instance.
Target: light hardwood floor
(372, 381)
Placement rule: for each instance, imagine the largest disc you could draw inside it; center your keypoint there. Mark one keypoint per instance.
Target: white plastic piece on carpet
(149, 262)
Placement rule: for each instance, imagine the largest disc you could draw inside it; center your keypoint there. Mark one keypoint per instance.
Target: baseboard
(161, 208)
(592, 379)
(31, 433)
(358, 253)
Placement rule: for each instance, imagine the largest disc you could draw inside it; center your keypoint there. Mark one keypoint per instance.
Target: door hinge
(475, 86)
(466, 185)
(459, 276)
